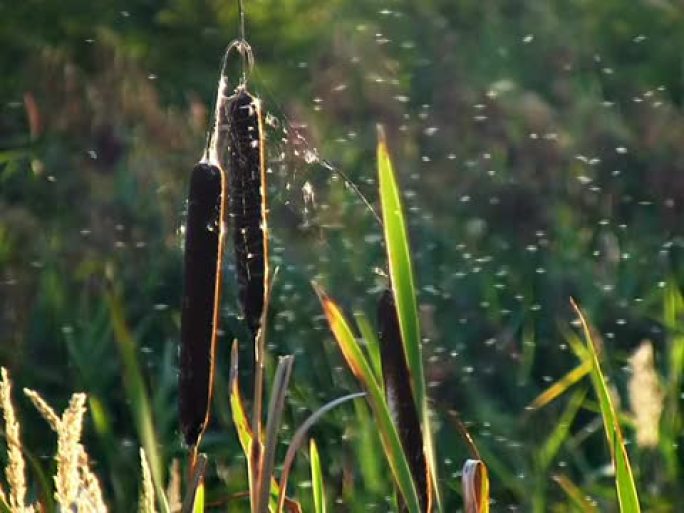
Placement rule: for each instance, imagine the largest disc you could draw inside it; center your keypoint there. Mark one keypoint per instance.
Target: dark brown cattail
(400, 399)
(247, 204)
(201, 297)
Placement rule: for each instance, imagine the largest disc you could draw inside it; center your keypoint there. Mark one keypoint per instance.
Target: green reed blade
(559, 387)
(198, 507)
(372, 343)
(673, 421)
(136, 391)
(317, 479)
(624, 478)
(548, 451)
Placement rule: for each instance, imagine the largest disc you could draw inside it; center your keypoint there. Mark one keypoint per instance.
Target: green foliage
(317, 484)
(538, 145)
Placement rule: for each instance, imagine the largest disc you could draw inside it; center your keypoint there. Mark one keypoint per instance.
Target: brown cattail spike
(201, 297)
(247, 204)
(400, 398)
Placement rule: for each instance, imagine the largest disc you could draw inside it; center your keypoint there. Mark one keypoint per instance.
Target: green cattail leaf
(548, 451)
(361, 369)
(237, 407)
(372, 343)
(198, 506)
(400, 269)
(403, 288)
(317, 479)
(136, 391)
(624, 478)
(475, 483)
(671, 426)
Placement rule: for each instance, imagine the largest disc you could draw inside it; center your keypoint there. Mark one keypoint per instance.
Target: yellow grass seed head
(67, 479)
(90, 498)
(43, 408)
(16, 467)
(147, 493)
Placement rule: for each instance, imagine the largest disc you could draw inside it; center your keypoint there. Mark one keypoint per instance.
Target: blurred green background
(540, 149)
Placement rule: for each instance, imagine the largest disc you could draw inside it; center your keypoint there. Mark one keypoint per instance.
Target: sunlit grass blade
(199, 500)
(195, 493)
(241, 419)
(624, 479)
(403, 288)
(317, 484)
(372, 343)
(575, 494)
(548, 450)
(274, 416)
(396, 379)
(137, 394)
(559, 387)
(673, 420)
(239, 413)
(298, 439)
(369, 449)
(361, 369)
(475, 483)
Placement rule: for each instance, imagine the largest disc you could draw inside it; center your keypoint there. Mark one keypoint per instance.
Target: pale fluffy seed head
(646, 395)
(147, 492)
(15, 472)
(90, 493)
(43, 408)
(67, 479)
